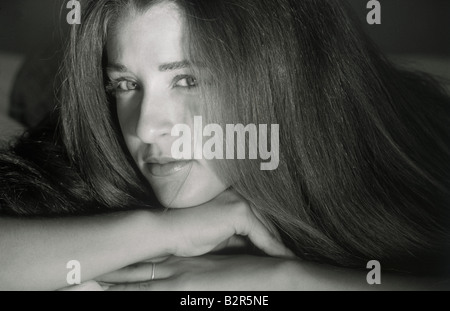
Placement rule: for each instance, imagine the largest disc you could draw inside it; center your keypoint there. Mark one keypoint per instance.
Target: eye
(115, 86)
(185, 81)
(126, 85)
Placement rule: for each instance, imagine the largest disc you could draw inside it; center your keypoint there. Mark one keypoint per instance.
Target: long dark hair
(364, 166)
(364, 161)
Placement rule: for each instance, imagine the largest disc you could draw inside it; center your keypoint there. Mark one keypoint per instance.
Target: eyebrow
(174, 65)
(116, 67)
(163, 67)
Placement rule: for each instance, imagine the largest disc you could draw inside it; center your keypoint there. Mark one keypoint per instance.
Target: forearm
(34, 253)
(311, 277)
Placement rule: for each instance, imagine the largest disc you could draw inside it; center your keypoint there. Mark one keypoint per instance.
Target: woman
(363, 170)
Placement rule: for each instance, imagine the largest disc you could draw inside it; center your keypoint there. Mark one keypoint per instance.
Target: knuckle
(241, 217)
(241, 208)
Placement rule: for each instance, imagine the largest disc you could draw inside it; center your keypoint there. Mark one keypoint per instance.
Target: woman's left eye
(185, 81)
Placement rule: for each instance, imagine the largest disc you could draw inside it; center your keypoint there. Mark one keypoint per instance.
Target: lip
(166, 167)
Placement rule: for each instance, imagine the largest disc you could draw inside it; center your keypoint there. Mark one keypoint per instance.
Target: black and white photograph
(221, 147)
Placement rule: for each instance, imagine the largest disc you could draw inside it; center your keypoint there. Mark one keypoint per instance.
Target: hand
(199, 230)
(251, 273)
(206, 273)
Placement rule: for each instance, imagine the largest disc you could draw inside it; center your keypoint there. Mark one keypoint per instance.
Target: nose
(156, 119)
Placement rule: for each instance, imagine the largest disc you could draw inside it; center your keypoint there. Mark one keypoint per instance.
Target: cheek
(188, 106)
(127, 111)
(127, 121)
(194, 105)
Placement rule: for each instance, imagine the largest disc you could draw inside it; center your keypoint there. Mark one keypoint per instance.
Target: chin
(185, 202)
(199, 187)
(189, 197)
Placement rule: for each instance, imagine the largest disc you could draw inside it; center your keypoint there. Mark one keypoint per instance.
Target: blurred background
(414, 33)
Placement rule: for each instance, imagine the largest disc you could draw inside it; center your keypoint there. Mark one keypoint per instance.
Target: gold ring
(153, 270)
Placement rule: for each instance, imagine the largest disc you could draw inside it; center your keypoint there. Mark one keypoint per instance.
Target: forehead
(151, 36)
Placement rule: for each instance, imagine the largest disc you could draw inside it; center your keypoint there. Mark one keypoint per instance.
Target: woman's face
(155, 90)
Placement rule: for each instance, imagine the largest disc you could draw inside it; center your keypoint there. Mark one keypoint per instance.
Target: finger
(143, 286)
(140, 272)
(89, 286)
(266, 241)
(253, 226)
(235, 242)
(268, 224)
(139, 287)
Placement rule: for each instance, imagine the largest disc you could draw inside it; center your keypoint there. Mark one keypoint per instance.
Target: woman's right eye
(126, 86)
(115, 86)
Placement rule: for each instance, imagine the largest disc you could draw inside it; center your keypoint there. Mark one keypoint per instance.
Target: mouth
(167, 167)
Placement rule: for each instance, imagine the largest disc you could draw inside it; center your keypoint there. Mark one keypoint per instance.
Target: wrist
(170, 224)
(152, 234)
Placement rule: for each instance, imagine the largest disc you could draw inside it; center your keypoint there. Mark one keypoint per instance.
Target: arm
(313, 276)
(35, 252)
(250, 273)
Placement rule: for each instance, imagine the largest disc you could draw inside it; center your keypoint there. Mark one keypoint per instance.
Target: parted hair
(364, 146)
